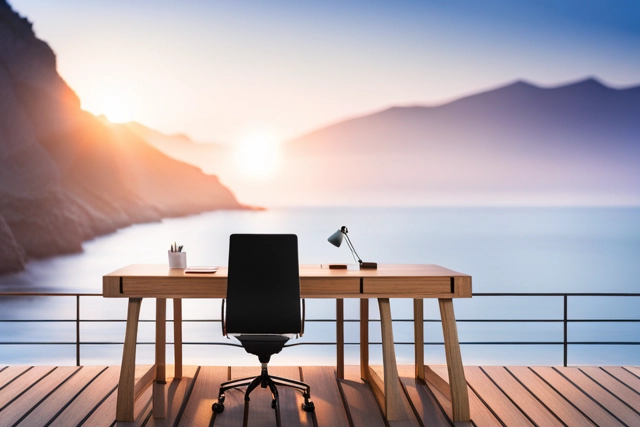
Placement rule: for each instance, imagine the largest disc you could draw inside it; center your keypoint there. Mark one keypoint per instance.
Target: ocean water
(504, 249)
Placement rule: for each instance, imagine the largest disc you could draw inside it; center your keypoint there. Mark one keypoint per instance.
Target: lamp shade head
(336, 238)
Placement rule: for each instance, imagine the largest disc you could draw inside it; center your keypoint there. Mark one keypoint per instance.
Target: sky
(220, 71)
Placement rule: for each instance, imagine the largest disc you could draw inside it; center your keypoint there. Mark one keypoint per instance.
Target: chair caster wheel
(308, 407)
(217, 407)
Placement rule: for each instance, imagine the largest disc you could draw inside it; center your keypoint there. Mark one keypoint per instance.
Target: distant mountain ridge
(572, 144)
(67, 176)
(509, 107)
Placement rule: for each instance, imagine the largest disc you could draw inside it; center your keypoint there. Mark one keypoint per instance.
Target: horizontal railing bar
(346, 343)
(475, 294)
(333, 320)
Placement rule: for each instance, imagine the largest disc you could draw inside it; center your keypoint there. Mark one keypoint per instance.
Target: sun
(117, 105)
(258, 155)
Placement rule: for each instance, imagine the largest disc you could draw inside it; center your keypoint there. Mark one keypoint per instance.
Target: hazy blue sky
(219, 71)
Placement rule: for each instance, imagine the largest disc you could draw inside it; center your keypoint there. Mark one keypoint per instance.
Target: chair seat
(262, 345)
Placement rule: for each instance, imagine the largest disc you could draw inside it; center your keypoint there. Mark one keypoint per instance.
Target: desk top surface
(316, 281)
(306, 271)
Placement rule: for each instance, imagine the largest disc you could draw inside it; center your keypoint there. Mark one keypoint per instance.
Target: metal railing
(565, 320)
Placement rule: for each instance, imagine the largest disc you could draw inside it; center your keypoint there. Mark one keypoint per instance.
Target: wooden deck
(511, 396)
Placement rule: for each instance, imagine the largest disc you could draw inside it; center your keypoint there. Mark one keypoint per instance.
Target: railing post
(565, 331)
(77, 330)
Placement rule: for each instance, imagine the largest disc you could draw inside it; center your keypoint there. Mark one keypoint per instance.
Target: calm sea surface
(504, 249)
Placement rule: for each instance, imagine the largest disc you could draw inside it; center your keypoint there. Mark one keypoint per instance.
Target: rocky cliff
(67, 176)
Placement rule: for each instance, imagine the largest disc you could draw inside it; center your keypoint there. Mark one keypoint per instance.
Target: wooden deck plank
(260, 412)
(577, 398)
(10, 373)
(23, 382)
(105, 414)
(141, 412)
(234, 402)
(625, 376)
(623, 392)
(495, 399)
(410, 420)
(63, 395)
(423, 402)
(437, 378)
(89, 399)
(29, 400)
(521, 397)
(635, 370)
(330, 410)
(173, 393)
(549, 397)
(291, 400)
(601, 396)
(198, 411)
(362, 405)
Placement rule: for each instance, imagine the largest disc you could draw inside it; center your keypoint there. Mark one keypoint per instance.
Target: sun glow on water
(258, 155)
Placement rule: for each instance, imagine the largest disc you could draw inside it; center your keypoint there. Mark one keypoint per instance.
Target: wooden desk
(388, 281)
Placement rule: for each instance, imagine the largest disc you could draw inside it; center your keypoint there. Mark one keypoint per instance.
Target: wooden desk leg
(340, 338)
(394, 406)
(457, 381)
(418, 336)
(161, 350)
(161, 339)
(177, 336)
(364, 339)
(126, 385)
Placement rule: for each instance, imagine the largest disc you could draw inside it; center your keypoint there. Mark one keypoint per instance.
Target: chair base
(264, 381)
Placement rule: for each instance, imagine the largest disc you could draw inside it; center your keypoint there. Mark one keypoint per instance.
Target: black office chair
(263, 309)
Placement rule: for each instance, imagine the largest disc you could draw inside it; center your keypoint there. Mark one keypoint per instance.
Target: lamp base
(371, 265)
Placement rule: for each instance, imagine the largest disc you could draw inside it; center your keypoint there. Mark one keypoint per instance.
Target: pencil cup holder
(177, 259)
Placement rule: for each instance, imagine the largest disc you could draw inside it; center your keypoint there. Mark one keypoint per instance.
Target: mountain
(67, 176)
(207, 156)
(518, 144)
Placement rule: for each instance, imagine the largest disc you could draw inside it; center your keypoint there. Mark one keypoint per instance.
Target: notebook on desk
(201, 269)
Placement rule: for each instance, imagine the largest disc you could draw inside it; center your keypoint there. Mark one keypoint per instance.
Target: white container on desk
(177, 259)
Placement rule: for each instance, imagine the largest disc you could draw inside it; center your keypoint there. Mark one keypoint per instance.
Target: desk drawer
(339, 287)
(177, 287)
(408, 287)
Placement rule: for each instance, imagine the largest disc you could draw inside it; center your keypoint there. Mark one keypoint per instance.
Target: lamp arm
(353, 250)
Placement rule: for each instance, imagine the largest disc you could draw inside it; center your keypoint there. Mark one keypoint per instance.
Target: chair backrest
(263, 291)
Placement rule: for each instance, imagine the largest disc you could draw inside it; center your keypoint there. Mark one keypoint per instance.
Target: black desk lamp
(336, 240)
